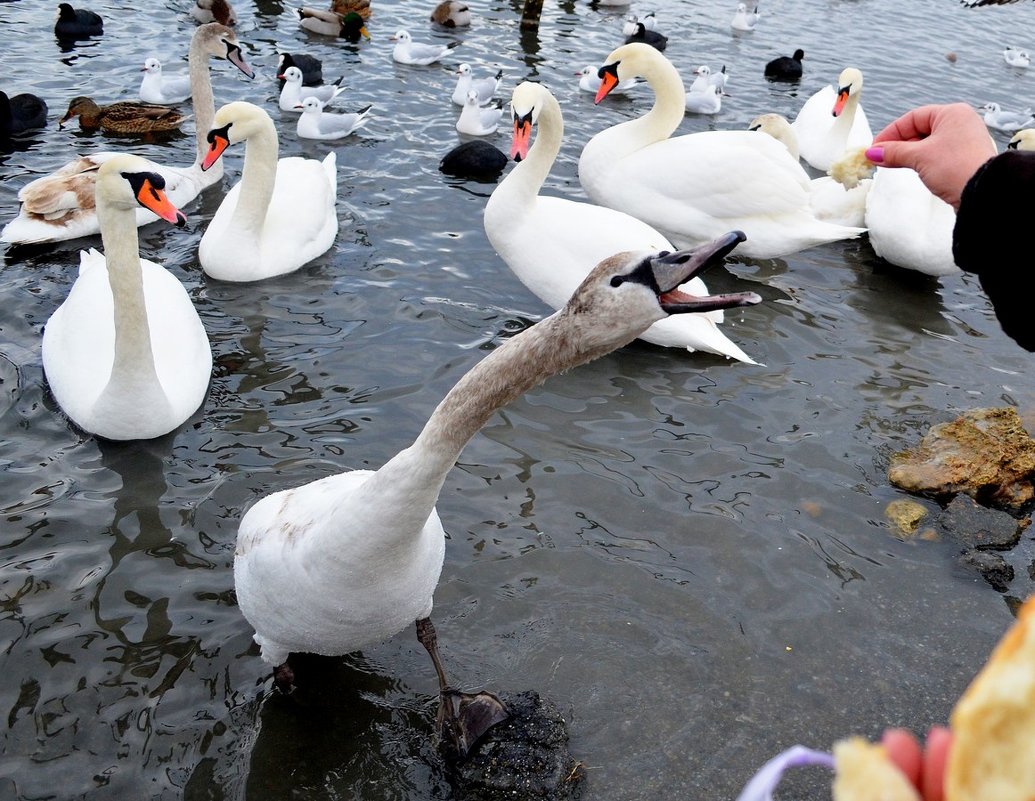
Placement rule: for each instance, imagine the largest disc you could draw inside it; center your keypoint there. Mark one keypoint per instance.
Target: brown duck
(343, 7)
(122, 117)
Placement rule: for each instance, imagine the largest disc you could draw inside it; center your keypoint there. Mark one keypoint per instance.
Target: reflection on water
(689, 556)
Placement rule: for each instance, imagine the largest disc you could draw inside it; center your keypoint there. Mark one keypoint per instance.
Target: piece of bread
(864, 773)
(993, 724)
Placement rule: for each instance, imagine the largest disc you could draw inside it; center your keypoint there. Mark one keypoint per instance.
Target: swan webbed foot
(464, 718)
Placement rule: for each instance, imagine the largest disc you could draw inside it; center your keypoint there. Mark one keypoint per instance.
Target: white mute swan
(61, 205)
(352, 559)
(552, 243)
(830, 201)
(909, 225)
(693, 187)
(279, 216)
(832, 122)
(126, 355)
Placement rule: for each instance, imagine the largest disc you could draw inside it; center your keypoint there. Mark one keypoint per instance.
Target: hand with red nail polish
(944, 144)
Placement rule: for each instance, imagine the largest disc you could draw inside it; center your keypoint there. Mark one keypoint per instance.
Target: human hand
(944, 144)
(925, 767)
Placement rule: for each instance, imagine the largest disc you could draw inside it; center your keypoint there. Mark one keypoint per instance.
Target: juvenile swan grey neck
(201, 90)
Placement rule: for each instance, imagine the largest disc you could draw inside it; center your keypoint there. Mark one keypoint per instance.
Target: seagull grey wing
(424, 52)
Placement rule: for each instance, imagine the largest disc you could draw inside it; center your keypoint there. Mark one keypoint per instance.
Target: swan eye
(617, 280)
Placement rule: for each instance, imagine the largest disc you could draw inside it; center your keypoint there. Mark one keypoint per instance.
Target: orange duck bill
(149, 189)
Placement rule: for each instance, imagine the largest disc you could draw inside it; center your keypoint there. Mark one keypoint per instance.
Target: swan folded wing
(741, 177)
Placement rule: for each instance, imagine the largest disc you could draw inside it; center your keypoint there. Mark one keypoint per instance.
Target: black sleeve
(992, 238)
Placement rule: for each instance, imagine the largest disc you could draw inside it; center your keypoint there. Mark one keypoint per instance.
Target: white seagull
(476, 120)
(744, 20)
(485, 87)
(162, 89)
(294, 93)
(1008, 121)
(407, 51)
(1016, 57)
(315, 123)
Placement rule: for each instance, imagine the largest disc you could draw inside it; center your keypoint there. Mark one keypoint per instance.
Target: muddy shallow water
(689, 556)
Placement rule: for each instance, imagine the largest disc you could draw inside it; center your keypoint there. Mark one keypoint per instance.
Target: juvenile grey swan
(351, 559)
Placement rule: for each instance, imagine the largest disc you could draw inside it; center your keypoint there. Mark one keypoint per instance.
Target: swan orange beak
(842, 98)
(149, 188)
(522, 137)
(608, 80)
(218, 141)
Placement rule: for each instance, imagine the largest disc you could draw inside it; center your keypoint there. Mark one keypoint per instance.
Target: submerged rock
(984, 453)
(905, 515)
(995, 570)
(975, 526)
(524, 758)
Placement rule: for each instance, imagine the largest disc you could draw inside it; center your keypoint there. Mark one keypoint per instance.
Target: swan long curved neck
(134, 361)
(531, 174)
(417, 473)
(669, 99)
(201, 95)
(257, 178)
(843, 124)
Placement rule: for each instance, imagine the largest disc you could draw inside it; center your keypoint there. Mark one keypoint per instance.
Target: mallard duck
(343, 7)
(451, 14)
(123, 117)
(348, 26)
(214, 11)
(20, 113)
(75, 23)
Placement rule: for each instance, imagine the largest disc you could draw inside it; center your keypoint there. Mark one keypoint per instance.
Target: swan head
(634, 60)
(1023, 140)
(291, 75)
(525, 105)
(219, 41)
(849, 84)
(152, 66)
(626, 293)
(233, 123)
(777, 127)
(127, 181)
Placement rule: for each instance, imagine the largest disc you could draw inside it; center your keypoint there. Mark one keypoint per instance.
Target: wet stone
(905, 515)
(522, 759)
(984, 453)
(995, 570)
(975, 526)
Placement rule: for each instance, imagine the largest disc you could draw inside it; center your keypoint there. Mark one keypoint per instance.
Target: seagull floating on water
(407, 51)
(485, 87)
(744, 20)
(1008, 121)
(1016, 57)
(294, 93)
(156, 87)
(315, 123)
(477, 120)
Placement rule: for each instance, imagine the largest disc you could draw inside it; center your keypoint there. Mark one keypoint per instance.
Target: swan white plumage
(909, 225)
(693, 187)
(60, 205)
(830, 200)
(833, 121)
(352, 559)
(125, 354)
(552, 243)
(157, 87)
(279, 216)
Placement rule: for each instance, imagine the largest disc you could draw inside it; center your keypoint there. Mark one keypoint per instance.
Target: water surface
(689, 556)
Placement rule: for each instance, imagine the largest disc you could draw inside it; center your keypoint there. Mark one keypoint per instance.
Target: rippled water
(689, 557)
